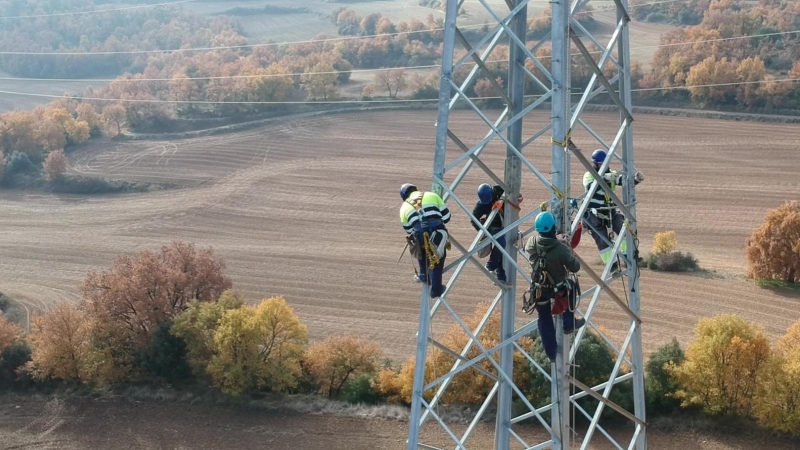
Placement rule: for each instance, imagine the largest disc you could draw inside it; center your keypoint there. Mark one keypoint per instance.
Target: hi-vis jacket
(601, 199)
(432, 207)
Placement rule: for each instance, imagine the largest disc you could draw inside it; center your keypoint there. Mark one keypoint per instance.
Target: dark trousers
(496, 257)
(433, 277)
(547, 328)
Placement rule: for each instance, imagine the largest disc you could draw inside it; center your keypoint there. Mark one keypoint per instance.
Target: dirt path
(307, 209)
(49, 424)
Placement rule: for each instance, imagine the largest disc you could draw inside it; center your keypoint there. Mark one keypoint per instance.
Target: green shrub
(11, 359)
(659, 385)
(166, 357)
(20, 163)
(360, 390)
(95, 186)
(673, 262)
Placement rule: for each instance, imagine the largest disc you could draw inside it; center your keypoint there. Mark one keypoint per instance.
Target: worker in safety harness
(551, 291)
(602, 212)
(423, 216)
(489, 199)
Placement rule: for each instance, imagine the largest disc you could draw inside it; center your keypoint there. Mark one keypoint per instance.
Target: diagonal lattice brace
(593, 275)
(479, 62)
(455, 355)
(589, 87)
(604, 400)
(599, 72)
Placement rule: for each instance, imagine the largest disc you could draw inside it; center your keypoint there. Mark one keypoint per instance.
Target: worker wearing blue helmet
(489, 199)
(602, 212)
(551, 291)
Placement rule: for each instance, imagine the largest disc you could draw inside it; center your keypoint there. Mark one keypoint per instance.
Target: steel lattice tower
(510, 27)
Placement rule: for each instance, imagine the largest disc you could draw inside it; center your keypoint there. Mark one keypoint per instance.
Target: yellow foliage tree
(60, 341)
(665, 242)
(773, 250)
(712, 71)
(723, 366)
(777, 404)
(337, 359)
(750, 71)
(320, 82)
(258, 348)
(469, 386)
(196, 326)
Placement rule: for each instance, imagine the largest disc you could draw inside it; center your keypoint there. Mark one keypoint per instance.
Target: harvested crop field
(307, 208)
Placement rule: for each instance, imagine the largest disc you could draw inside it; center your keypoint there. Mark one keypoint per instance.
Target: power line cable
(206, 102)
(426, 66)
(273, 44)
(96, 11)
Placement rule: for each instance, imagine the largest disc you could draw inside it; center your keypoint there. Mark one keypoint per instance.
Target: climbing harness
(542, 289)
(434, 244)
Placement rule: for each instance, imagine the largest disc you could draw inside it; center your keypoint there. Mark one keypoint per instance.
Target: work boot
(436, 293)
(490, 266)
(501, 275)
(578, 323)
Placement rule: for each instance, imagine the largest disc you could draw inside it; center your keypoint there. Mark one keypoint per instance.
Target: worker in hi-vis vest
(602, 212)
(423, 216)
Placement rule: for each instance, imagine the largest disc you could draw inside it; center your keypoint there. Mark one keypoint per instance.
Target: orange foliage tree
(142, 291)
(469, 386)
(55, 165)
(337, 359)
(60, 341)
(773, 250)
(10, 333)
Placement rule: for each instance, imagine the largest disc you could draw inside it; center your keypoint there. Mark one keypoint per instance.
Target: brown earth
(308, 209)
(49, 424)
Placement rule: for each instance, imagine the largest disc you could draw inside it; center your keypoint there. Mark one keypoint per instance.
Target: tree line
(172, 316)
(721, 53)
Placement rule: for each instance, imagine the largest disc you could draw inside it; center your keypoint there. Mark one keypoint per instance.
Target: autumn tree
(469, 386)
(393, 80)
(114, 118)
(19, 132)
(320, 82)
(55, 165)
(777, 403)
(338, 359)
(61, 344)
(273, 84)
(197, 325)
(258, 348)
(711, 80)
(139, 293)
(86, 113)
(10, 333)
(751, 72)
(723, 366)
(773, 249)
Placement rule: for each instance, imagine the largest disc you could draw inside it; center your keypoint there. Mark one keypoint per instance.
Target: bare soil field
(307, 208)
(10, 102)
(46, 424)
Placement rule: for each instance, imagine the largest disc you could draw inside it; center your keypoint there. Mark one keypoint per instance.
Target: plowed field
(307, 208)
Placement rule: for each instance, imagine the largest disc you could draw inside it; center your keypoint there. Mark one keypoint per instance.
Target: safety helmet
(485, 194)
(544, 222)
(406, 190)
(599, 156)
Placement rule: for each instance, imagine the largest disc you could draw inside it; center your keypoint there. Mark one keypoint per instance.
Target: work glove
(639, 177)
